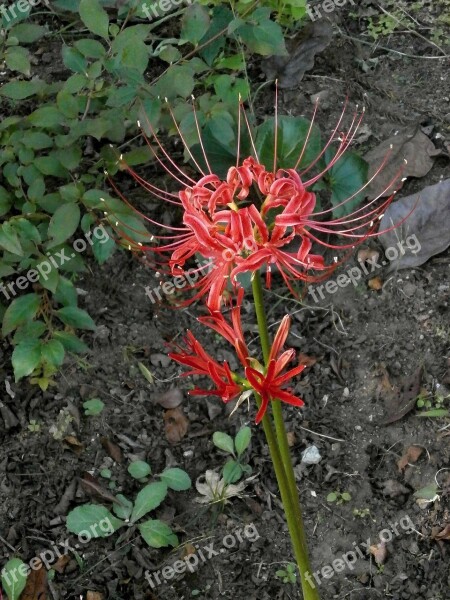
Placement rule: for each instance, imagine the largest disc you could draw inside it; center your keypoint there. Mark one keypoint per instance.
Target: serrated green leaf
(64, 223)
(94, 520)
(75, 317)
(19, 311)
(195, 23)
(149, 498)
(90, 48)
(46, 116)
(25, 358)
(95, 17)
(28, 33)
(52, 352)
(71, 342)
(157, 534)
(176, 479)
(93, 407)
(74, 60)
(19, 90)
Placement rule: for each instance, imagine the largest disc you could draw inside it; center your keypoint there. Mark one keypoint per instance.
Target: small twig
(8, 544)
(321, 434)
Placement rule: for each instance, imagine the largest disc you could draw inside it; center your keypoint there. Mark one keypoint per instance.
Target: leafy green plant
(288, 575)
(432, 405)
(338, 497)
(53, 159)
(34, 426)
(93, 407)
(97, 521)
(235, 467)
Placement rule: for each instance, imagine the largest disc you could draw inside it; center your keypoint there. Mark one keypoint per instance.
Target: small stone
(311, 456)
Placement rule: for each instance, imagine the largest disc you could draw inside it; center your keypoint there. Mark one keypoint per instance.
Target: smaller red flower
(269, 384)
(201, 363)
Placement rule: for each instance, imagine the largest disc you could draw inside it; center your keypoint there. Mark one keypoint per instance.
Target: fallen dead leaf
(74, 444)
(411, 456)
(308, 361)
(291, 438)
(399, 401)
(187, 550)
(170, 399)
(393, 488)
(94, 488)
(176, 425)
(112, 449)
(36, 586)
(289, 71)
(61, 564)
(411, 145)
(428, 223)
(376, 283)
(379, 551)
(444, 534)
(94, 596)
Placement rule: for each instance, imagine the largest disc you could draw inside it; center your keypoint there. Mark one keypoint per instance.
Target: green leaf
(52, 352)
(176, 479)
(123, 510)
(36, 140)
(224, 442)
(332, 497)
(20, 310)
(209, 50)
(65, 293)
(26, 357)
(232, 471)
(29, 330)
(71, 342)
(90, 48)
(9, 240)
(94, 520)
(428, 492)
(104, 248)
(18, 59)
(93, 407)
(5, 201)
(94, 17)
(19, 90)
(345, 178)
(14, 578)
(149, 498)
(260, 34)
(157, 534)
(177, 81)
(50, 165)
(139, 469)
(75, 317)
(194, 23)
(242, 440)
(28, 33)
(74, 60)
(64, 223)
(46, 116)
(292, 134)
(436, 412)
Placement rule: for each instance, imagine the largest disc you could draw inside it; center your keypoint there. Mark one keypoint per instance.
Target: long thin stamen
(200, 140)
(276, 129)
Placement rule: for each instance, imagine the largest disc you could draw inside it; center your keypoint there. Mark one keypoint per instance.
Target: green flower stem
(281, 457)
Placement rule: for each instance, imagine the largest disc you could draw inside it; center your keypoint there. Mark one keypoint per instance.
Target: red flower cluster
(249, 220)
(267, 382)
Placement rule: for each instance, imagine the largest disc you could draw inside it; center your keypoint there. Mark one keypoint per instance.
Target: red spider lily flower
(232, 224)
(201, 363)
(269, 385)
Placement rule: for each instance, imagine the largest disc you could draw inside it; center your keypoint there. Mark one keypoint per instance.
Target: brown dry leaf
(61, 564)
(379, 551)
(170, 399)
(36, 586)
(94, 488)
(112, 449)
(411, 145)
(291, 438)
(176, 425)
(308, 361)
(74, 444)
(368, 254)
(187, 550)
(399, 401)
(94, 596)
(412, 455)
(426, 230)
(289, 71)
(375, 284)
(444, 534)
